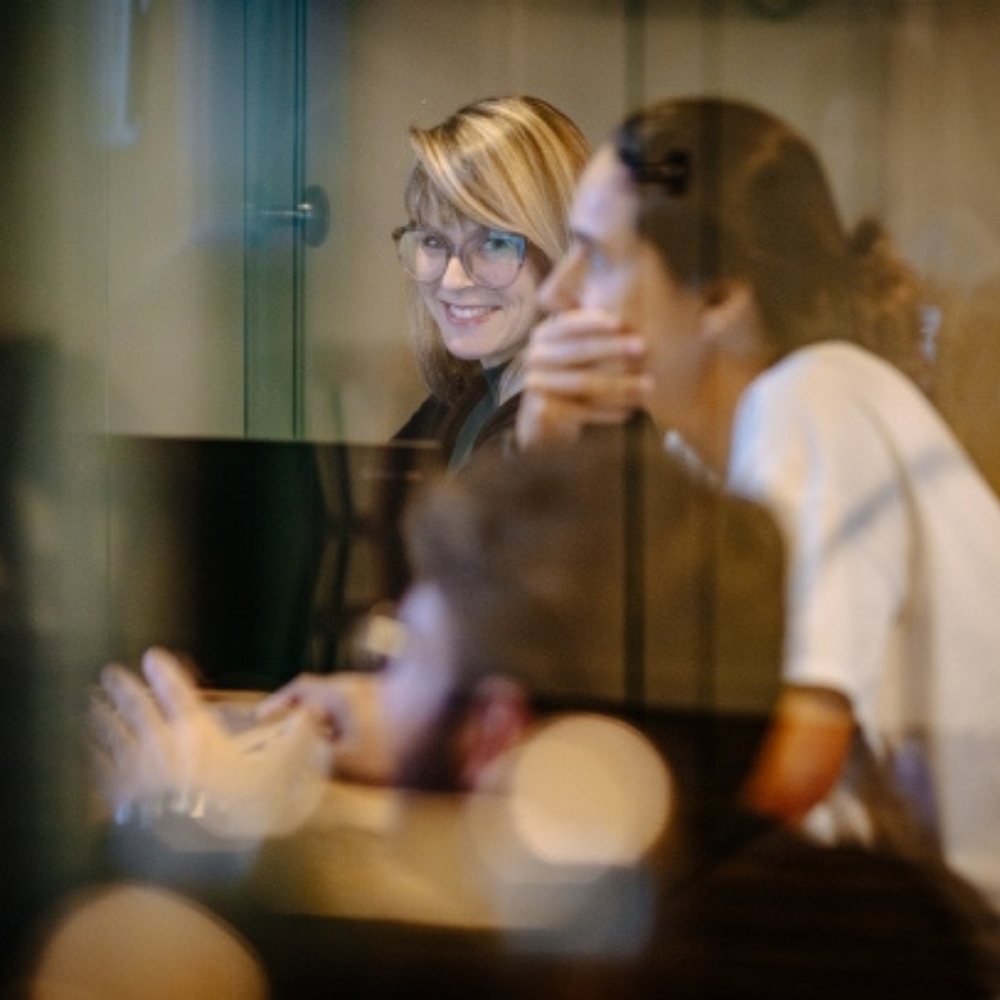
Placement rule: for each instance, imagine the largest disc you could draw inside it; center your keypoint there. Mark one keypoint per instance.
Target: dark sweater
(442, 422)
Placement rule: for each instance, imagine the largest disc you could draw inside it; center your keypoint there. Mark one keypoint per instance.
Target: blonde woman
(487, 202)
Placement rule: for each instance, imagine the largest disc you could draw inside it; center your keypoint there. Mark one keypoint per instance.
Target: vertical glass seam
(247, 240)
(299, 243)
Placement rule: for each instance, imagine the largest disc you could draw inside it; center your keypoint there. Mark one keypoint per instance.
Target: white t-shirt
(894, 573)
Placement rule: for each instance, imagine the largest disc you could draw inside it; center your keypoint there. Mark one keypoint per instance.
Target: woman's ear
(495, 722)
(730, 319)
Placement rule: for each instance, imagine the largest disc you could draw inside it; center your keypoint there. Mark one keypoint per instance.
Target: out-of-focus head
(508, 164)
(541, 563)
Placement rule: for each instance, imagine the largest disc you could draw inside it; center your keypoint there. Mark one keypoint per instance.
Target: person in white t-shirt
(712, 284)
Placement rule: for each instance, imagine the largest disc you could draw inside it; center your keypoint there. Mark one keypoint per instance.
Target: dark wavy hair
(729, 191)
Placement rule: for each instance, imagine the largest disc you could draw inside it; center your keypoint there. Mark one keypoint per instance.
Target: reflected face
(610, 267)
(418, 683)
(479, 323)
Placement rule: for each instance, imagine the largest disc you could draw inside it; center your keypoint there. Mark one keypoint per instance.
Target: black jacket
(435, 420)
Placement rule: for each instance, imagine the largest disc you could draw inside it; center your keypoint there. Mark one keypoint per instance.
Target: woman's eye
(501, 245)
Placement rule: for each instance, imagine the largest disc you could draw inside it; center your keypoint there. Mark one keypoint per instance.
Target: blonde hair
(505, 163)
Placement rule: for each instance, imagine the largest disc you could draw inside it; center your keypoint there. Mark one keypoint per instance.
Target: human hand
(803, 754)
(349, 706)
(161, 750)
(581, 367)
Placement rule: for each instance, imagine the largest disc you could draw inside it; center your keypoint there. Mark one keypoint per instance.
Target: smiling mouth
(466, 314)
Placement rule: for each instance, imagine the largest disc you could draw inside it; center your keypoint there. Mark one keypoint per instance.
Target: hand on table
(581, 367)
(349, 706)
(160, 749)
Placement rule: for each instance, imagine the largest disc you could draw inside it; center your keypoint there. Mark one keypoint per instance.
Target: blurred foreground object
(163, 755)
(132, 942)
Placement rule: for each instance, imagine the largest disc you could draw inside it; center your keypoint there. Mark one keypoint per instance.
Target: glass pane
(379, 66)
(273, 160)
(375, 68)
(152, 149)
(165, 119)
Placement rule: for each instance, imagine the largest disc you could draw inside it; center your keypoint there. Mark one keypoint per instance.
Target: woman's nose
(455, 275)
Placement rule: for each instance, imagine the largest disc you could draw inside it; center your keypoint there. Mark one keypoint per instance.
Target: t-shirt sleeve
(812, 452)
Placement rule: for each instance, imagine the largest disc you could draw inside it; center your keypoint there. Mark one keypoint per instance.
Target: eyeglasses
(492, 257)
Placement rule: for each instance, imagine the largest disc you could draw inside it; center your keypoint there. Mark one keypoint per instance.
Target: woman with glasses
(487, 202)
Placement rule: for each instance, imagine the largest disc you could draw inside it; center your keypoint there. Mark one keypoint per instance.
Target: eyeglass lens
(491, 258)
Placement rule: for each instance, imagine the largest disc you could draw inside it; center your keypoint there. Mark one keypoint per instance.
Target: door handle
(311, 215)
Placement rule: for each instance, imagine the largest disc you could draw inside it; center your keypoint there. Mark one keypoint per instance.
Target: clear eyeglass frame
(495, 267)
